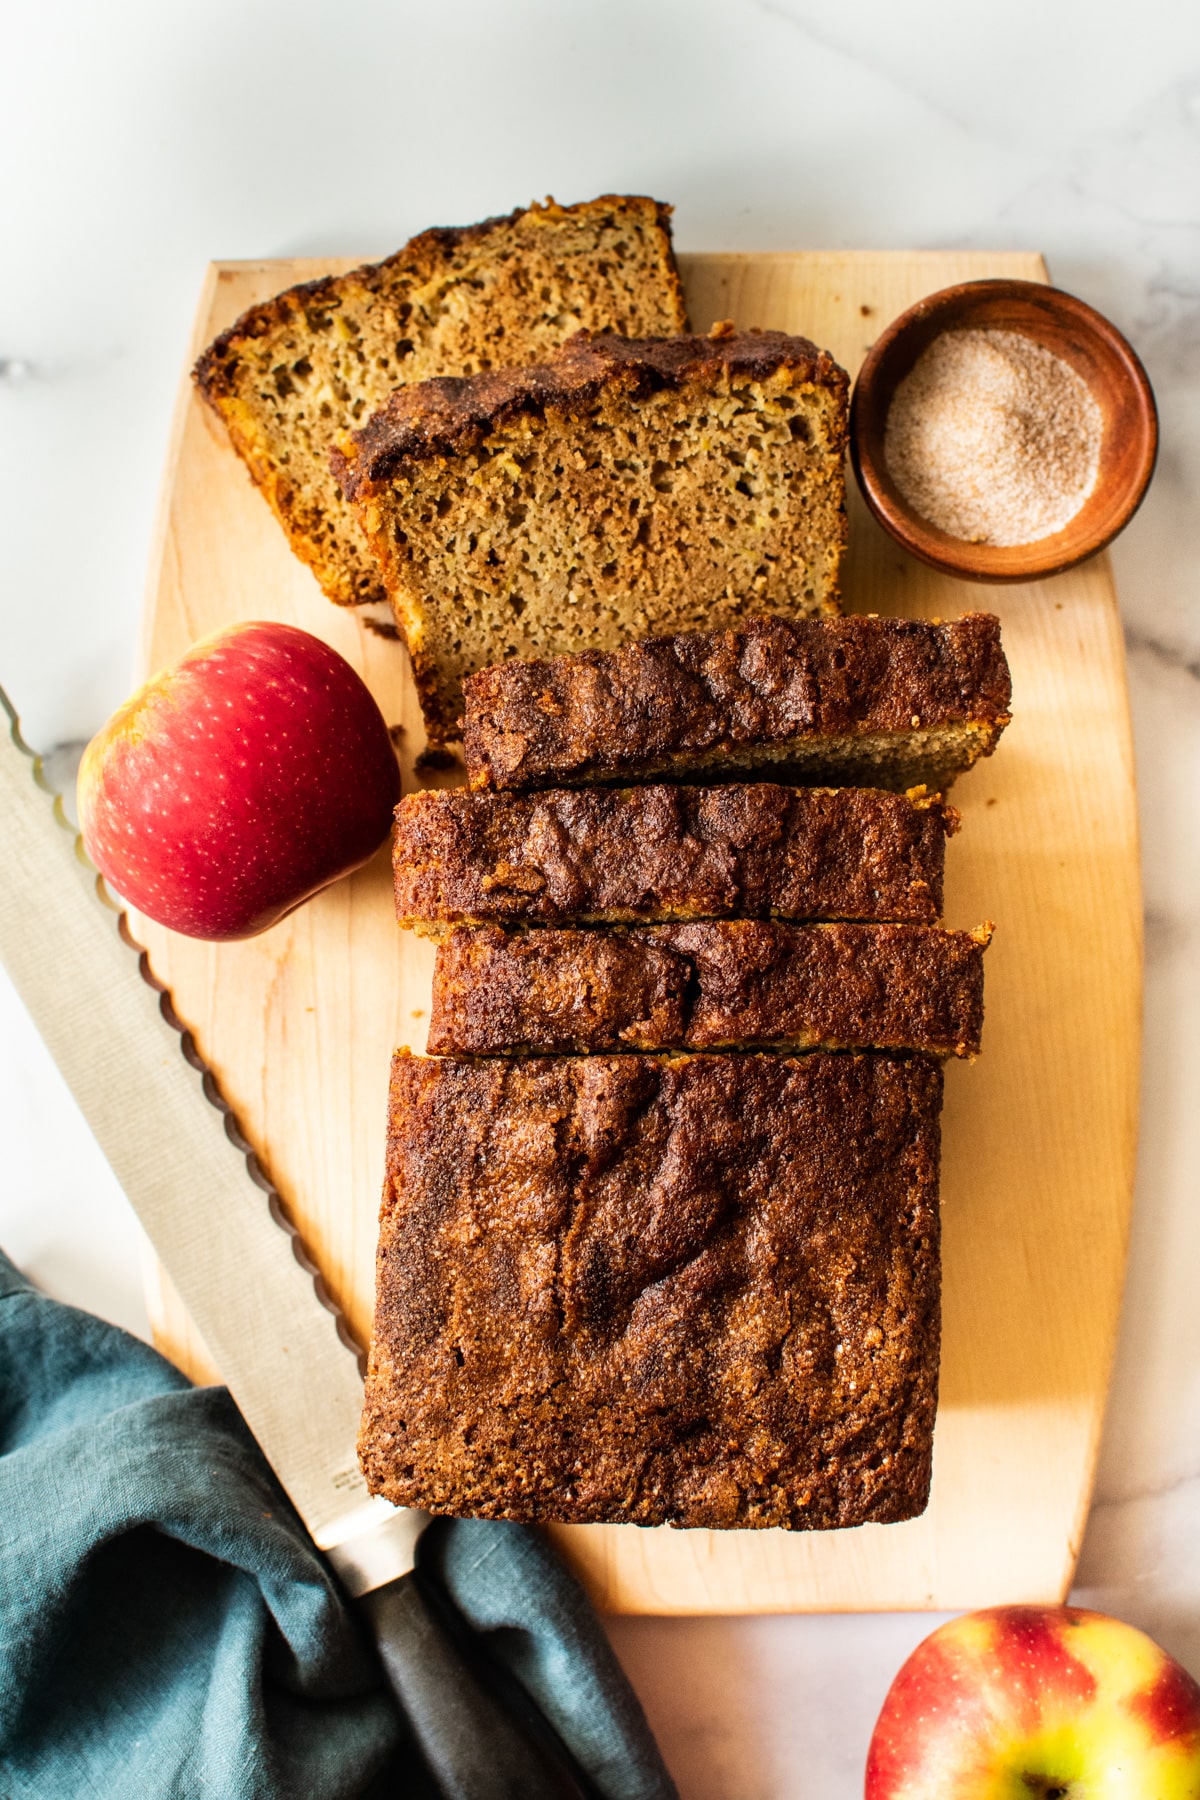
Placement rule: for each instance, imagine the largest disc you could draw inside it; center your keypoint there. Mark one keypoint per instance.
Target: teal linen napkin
(167, 1628)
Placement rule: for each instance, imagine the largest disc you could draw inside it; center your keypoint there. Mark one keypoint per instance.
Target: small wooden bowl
(1073, 331)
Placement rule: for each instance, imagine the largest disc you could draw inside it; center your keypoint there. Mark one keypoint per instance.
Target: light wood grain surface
(1039, 1135)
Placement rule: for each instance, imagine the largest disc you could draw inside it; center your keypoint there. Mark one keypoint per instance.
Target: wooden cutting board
(1039, 1135)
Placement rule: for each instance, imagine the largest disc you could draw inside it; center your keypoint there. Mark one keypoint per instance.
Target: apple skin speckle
(1170, 1706)
(234, 786)
(1044, 1701)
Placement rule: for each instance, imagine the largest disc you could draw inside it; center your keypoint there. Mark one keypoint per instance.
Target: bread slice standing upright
(623, 487)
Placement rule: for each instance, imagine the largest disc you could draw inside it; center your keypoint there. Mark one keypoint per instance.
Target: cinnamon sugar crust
(700, 1290)
(441, 417)
(718, 985)
(858, 701)
(605, 855)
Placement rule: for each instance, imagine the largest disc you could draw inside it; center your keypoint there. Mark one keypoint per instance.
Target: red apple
(237, 784)
(1037, 1703)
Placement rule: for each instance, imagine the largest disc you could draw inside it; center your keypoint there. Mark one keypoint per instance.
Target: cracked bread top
(700, 1290)
(660, 852)
(713, 985)
(440, 417)
(829, 700)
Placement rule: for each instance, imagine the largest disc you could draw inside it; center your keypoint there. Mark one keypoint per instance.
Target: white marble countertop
(141, 140)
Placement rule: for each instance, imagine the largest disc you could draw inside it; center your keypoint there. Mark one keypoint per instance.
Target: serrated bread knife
(219, 1236)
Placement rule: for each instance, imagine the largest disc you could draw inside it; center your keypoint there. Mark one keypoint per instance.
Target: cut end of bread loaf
(322, 357)
(893, 760)
(622, 488)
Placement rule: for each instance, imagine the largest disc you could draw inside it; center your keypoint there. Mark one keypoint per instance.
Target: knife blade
(219, 1227)
(75, 965)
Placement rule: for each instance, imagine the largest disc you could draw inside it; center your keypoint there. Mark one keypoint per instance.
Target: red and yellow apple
(1037, 1703)
(237, 784)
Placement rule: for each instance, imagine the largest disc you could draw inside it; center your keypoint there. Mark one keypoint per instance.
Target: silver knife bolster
(373, 1545)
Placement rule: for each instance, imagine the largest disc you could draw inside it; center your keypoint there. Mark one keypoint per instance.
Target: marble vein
(858, 60)
(1140, 642)
(1155, 1490)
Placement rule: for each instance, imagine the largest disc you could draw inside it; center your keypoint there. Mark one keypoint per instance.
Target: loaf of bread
(603, 855)
(622, 487)
(698, 1290)
(322, 357)
(873, 702)
(713, 985)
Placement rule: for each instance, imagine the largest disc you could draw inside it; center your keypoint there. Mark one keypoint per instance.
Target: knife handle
(480, 1734)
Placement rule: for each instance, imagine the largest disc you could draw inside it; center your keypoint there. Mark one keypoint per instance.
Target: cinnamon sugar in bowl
(1002, 430)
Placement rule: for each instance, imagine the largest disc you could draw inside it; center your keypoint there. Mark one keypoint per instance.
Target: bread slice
(622, 487)
(695, 1290)
(872, 702)
(606, 855)
(714, 985)
(319, 358)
